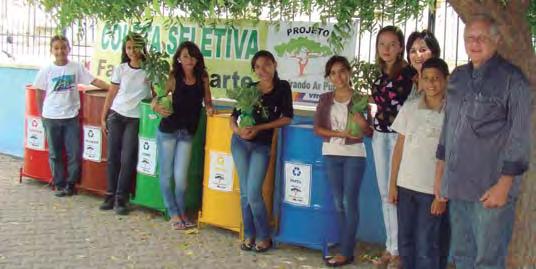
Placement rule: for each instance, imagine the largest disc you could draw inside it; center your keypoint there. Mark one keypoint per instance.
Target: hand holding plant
(247, 102)
(157, 68)
(363, 76)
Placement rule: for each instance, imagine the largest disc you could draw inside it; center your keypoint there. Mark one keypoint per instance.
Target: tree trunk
(516, 46)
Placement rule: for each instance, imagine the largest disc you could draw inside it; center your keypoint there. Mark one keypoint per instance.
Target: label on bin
(92, 143)
(298, 184)
(35, 133)
(220, 177)
(147, 156)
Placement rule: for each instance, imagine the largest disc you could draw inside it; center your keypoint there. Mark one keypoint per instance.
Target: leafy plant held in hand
(363, 76)
(248, 101)
(157, 68)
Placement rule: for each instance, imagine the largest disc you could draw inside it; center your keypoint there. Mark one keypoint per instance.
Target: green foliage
(248, 99)
(157, 67)
(156, 64)
(302, 44)
(363, 76)
(531, 17)
(343, 12)
(203, 11)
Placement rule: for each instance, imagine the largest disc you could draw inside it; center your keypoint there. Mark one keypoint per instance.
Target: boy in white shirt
(59, 112)
(420, 215)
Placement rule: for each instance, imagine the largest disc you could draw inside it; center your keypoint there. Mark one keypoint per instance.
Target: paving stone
(39, 230)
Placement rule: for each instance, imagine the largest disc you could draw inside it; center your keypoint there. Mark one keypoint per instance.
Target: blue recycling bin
(303, 203)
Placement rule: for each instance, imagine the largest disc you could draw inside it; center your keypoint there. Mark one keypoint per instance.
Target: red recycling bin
(35, 164)
(94, 142)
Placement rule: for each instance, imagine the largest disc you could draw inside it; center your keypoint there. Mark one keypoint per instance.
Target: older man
(484, 149)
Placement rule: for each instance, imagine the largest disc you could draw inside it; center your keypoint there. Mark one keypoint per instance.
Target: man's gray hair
(482, 17)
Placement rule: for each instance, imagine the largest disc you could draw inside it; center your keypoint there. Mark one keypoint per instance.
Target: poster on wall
(147, 156)
(220, 177)
(92, 143)
(35, 133)
(302, 50)
(298, 184)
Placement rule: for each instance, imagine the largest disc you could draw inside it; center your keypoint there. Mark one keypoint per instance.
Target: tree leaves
(302, 45)
(343, 12)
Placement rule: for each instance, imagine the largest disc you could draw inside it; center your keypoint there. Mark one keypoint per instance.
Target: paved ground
(38, 230)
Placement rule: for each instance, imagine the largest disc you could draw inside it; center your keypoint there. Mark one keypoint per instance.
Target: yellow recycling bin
(221, 191)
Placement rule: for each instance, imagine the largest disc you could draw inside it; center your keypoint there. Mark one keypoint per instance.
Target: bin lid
(96, 92)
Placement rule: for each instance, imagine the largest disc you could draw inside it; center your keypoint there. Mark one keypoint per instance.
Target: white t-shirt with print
(133, 88)
(62, 100)
(421, 128)
(336, 145)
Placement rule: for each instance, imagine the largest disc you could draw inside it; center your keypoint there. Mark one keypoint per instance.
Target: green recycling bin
(147, 192)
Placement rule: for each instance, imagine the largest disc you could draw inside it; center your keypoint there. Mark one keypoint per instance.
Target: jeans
(62, 133)
(382, 146)
(174, 152)
(251, 161)
(419, 232)
(122, 153)
(480, 236)
(345, 174)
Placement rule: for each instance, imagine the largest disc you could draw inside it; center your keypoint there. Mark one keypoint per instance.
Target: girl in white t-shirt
(120, 120)
(344, 155)
(59, 112)
(421, 218)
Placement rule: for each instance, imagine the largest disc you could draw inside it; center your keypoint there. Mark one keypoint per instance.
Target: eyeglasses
(478, 39)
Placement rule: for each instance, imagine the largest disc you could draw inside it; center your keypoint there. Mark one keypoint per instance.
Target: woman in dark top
(420, 47)
(250, 147)
(189, 87)
(389, 92)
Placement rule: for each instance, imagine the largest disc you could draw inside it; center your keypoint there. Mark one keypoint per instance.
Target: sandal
(327, 257)
(247, 245)
(188, 224)
(332, 263)
(395, 263)
(260, 249)
(178, 225)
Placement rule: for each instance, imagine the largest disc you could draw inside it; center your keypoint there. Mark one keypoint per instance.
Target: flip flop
(178, 225)
(188, 224)
(247, 246)
(259, 249)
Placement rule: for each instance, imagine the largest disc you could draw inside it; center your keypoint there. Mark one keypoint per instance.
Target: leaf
(247, 101)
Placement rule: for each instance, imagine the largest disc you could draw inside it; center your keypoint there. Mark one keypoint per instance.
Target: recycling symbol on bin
(296, 171)
(34, 123)
(90, 133)
(146, 146)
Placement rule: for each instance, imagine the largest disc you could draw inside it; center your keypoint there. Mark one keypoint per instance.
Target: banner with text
(227, 51)
(302, 50)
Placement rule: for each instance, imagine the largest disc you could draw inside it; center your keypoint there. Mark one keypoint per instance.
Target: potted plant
(363, 76)
(247, 101)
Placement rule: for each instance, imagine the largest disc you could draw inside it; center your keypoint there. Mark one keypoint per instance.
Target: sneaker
(108, 203)
(69, 190)
(121, 207)
(60, 192)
